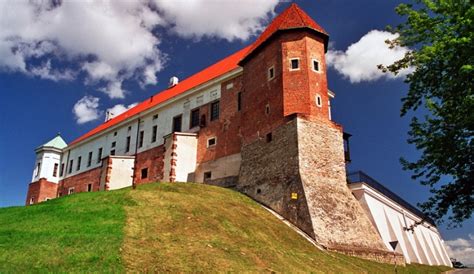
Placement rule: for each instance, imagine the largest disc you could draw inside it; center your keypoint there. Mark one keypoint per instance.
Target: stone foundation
(300, 173)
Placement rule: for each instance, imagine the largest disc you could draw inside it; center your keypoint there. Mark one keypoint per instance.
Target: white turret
(48, 160)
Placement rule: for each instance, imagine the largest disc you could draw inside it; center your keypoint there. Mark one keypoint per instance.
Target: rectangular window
(55, 170)
(177, 121)
(113, 144)
(271, 73)
(211, 142)
(144, 173)
(319, 102)
(89, 159)
(112, 152)
(207, 175)
(89, 187)
(294, 64)
(70, 191)
(70, 166)
(315, 65)
(129, 128)
(194, 118)
(99, 155)
(127, 144)
(38, 166)
(115, 133)
(32, 200)
(155, 116)
(61, 171)
(214, 110)
(269, 137)
(140, 138)
(239, 101)
(154, 132)
(78, 163)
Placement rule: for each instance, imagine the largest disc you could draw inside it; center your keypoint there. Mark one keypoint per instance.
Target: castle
(258, 121)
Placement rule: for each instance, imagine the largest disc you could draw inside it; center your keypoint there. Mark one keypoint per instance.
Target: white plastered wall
(121, 174)
(186, 151)
(47, 159)
(421, 245)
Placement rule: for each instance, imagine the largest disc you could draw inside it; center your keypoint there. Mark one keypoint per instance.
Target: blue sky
(34, 109)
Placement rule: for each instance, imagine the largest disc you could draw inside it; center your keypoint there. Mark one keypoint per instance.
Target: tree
(440, 36)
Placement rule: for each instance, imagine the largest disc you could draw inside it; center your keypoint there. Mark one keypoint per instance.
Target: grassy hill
(163, 227)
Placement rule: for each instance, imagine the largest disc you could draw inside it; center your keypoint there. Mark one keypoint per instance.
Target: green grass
(163, 227)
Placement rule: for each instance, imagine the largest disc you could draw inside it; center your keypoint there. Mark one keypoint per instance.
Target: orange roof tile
(291, 18)
(221, 67)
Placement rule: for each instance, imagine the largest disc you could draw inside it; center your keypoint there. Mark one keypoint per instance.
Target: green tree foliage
(440, 34)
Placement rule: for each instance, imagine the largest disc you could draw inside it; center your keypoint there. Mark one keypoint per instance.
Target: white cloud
(113, 41)
(462, 249)
(87, 109)
(360, 60)
(119, 109)
(216, 18)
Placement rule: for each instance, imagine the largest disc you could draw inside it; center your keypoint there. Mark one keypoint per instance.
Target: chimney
(173, 82)
(108, 115)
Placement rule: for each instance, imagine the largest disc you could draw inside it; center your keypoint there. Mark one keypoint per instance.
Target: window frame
(191, 118)
(78, 165)
(209, 139)
(142, 172)
(55, 169)
(89, 159)
(141, 136)
(154, 133)
(319, 101)
(269, 76)
(312, 65)
(211, 110)
(291, 64)
(204, 175)
(89, 187)
(70, 190)
(173, 125)
(99, 155)
(127, 143)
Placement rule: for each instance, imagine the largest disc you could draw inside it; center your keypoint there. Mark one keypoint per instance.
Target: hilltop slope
(163, 227)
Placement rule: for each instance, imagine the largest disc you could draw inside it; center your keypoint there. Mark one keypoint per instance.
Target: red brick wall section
(80, 182)
(226, 129)
(153, 160)
(41, 190)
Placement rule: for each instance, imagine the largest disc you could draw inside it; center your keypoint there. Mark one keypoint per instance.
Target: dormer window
(271, 73)
(315, 65)
(294, 64)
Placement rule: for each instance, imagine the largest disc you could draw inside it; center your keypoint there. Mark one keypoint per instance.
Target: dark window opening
(239, 101)
(38, 169)
(207, 175)
(112, 152)
(214, 110)
(194, 118)
(259, 191)
(154, 132)
(61, 170)
(177, 123)
(315, 65)
(269, 137)
(99, 155)
(144, 173)
(55, 170)
(140, 138)
(71, 162)
(271, 73)
(295, 63)
(155, 116)
(129, 128)
(267, 109)
(89, 187)
(79, 163)
(113, 144)
(115, 133)
(127, 145)
(89, 159)
(211, 142)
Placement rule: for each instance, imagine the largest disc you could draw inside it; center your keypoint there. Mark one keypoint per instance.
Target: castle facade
(258, 121)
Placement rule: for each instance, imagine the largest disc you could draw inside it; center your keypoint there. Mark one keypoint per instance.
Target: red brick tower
(292, 153)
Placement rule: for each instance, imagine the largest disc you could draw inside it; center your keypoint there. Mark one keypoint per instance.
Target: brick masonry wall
(153, 160)
(80, 182)
(40, 191)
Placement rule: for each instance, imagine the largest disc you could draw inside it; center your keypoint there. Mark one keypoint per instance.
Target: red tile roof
(221, 67)
(291, 18)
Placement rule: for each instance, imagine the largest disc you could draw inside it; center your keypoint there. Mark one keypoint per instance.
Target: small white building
(402, 227)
